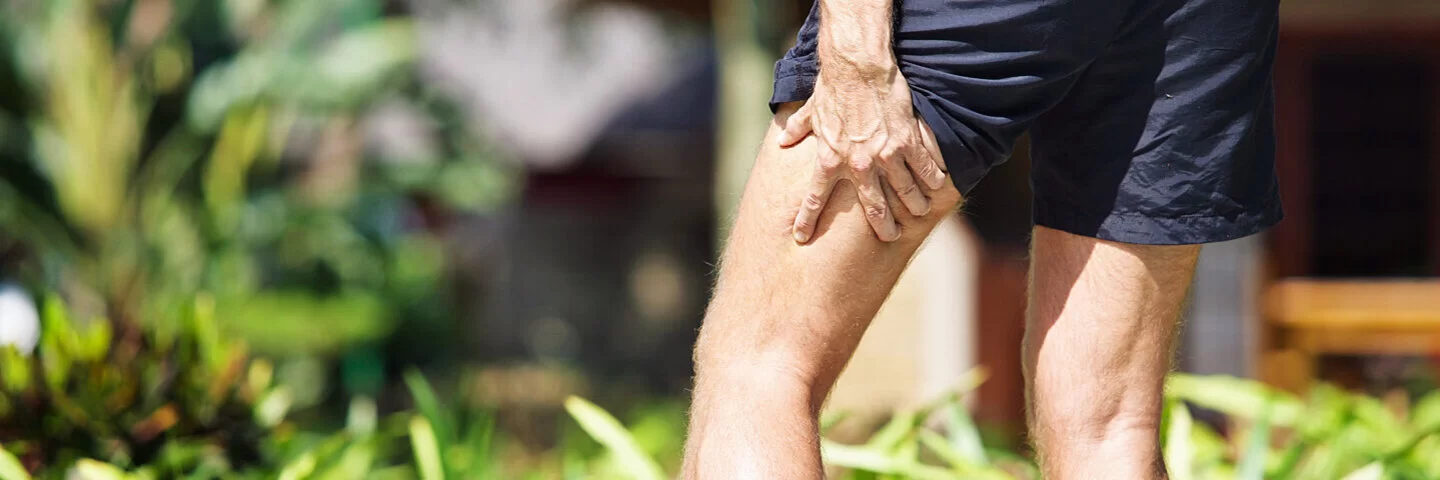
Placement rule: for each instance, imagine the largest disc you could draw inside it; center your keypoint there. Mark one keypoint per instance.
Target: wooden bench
(1307, 318)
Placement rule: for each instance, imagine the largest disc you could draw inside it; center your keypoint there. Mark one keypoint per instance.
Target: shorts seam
(1087, 213)
(1197, 228)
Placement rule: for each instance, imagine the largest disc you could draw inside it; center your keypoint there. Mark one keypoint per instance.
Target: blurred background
(475, 238)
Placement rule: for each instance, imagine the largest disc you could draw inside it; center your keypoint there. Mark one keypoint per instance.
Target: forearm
(855, 36)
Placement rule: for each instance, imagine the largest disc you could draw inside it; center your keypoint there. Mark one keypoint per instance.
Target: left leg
(1100, 328)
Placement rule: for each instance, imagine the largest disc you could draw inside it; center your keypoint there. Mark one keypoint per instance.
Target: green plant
(187, 404)
(449, 442)
(213, 145)
(1328, 434)
(899, 449)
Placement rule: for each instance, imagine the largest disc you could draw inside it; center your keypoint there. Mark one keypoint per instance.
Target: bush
(92, 403)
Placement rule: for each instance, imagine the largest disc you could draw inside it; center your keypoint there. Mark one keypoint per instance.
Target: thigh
(808, 303)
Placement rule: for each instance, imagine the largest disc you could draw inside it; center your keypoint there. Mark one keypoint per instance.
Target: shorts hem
(1152, 230)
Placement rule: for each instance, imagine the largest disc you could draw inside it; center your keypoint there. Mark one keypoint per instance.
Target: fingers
(921, 157)
(797, 127)
(827, 172)
(904, 185)
(876, 207)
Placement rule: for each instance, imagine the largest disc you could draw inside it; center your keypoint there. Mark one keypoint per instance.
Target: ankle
(1111, 451)
(758, 380)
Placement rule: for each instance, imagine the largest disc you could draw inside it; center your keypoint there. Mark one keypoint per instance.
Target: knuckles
(891, 151)
(861, 165)
(875, 212)
(813, 201)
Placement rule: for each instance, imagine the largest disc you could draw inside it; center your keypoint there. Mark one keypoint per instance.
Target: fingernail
(801, 237)
(924, 209)
(783, 138)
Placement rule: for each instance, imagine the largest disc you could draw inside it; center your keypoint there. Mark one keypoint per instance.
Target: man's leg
(1101, 324)
(786, 317)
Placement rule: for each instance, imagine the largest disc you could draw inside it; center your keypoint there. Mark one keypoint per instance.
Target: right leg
(1100, 329)
(786, 318)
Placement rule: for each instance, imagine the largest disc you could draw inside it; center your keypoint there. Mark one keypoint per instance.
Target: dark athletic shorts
(1151, 120)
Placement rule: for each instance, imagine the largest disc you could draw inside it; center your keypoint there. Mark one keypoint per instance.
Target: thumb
(796, 127)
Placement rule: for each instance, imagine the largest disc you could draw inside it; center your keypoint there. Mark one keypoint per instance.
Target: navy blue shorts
(1151, 121)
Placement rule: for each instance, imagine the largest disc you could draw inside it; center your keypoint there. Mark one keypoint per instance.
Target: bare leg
(786, 318)
(1100, 329)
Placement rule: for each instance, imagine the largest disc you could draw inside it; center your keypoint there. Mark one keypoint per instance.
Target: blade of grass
(605, 429)
(10, 467)
(900, 427)
(945, 451)
(1239, 398)
(96, 470)
(1252, 465)
(831, 418)
(964, 436)
(869, 460)
(478, 438)
(1179, 451)
(427, 450)
(429, 405)
(1373, 471)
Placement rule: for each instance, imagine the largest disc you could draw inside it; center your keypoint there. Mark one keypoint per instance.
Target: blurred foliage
(154, 149)
(1329, 435)
(193, 403)
(196, 405)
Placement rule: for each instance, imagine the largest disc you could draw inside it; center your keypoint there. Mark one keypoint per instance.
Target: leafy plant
(215, 146)
(1329, 434)
(449, 442)
(179, 405)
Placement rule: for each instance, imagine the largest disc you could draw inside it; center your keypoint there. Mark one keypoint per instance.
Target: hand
(868, 133)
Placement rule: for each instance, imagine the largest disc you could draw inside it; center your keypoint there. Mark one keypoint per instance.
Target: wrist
(857, 64)
(856, 55)
(855, 38)
(867, 64)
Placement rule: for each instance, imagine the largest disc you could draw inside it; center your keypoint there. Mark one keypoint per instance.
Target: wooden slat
(1378, 305)
(1363, 342)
